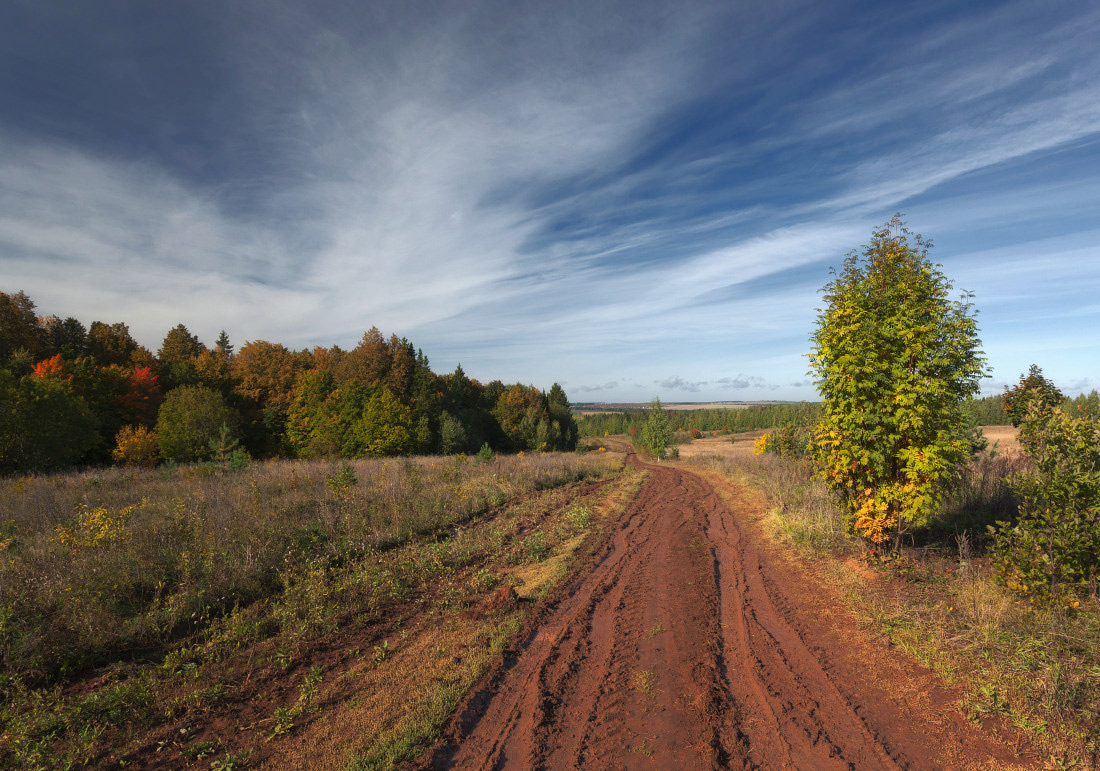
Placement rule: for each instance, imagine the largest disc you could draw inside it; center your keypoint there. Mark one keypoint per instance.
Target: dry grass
(724, 446)
(190, 571)
(1002, 438)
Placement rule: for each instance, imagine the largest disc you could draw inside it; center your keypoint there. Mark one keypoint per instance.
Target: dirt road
(684, 648)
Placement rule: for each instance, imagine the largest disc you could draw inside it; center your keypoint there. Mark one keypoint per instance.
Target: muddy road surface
(684, 647)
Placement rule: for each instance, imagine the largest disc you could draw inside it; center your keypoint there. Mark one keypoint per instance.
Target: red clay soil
(689, 646)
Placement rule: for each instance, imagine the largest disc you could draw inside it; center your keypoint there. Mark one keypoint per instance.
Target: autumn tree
(1032, 387)
(894, 357)
(139, 404)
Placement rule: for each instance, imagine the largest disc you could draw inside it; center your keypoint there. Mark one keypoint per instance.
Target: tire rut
(682, 648)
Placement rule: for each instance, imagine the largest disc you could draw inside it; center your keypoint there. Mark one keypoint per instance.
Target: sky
(633, 199)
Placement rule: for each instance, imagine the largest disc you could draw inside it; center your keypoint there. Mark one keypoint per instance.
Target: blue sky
(633, 199)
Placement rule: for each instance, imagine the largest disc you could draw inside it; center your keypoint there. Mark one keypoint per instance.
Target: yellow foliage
(95, 527)
(135, 446)
(760, 446)
(873, 519)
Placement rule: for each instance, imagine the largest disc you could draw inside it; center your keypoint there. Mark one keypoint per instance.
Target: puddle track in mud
(682, 648)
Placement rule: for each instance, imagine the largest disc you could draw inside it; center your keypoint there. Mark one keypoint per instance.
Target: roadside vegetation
(982, 564)
(209, 613)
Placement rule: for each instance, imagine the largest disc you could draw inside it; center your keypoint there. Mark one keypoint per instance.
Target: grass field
(198, 615)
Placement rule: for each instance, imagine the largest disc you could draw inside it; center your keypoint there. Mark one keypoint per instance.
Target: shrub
(189, 420)
(1052, 551)
(786, 442)
(135, 446)
(485, 454)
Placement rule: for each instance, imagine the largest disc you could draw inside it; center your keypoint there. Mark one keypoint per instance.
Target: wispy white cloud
(597, 196)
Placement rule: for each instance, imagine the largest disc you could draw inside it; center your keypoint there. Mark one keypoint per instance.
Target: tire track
(681, 648)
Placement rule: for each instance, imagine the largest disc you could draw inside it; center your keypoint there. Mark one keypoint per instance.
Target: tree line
(75, 395)
(707, 420)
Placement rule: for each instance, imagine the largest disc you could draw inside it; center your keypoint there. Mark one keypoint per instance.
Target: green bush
(1052, 551)
(190, 419)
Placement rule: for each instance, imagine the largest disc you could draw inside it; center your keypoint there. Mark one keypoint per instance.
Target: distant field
(1003, 436)
(597, 408)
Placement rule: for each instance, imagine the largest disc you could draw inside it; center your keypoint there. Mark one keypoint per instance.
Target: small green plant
(654, 630)
(342, 479)
(232, 761)
(536, 546)
(381, 651)
(307, 694)
(581, 517)
(283, 724)
(485, 454)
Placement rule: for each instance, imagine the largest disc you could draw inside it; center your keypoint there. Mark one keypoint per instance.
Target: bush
(1052, 551)
(786, 442)
(485, 454)
(135, 446)
(189, 420)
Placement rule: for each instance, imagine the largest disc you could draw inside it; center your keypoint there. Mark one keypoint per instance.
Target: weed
(645, 681)
(536, 546)
(654, 630)
(381, 651)
(283, 724)
(581, 517)
(307, 694)
(232, 761)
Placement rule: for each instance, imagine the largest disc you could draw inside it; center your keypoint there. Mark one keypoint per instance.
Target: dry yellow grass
(1006, 437)
(722, 446)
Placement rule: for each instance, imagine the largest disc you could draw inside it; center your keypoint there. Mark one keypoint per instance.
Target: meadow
(134, 599)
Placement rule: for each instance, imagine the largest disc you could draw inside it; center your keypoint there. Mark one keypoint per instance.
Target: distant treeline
(987, 411)
(71, 394)
(726, 420)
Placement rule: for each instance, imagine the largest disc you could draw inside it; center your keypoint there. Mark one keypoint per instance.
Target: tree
(656, 434)
(1032, 387)
(894, 358)
(189, 418)
(111, 343)
(19, 327)
(179, 356)
(452, 435)
(43, 425)
(135, 446)
(67, 337)
(385, 427)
